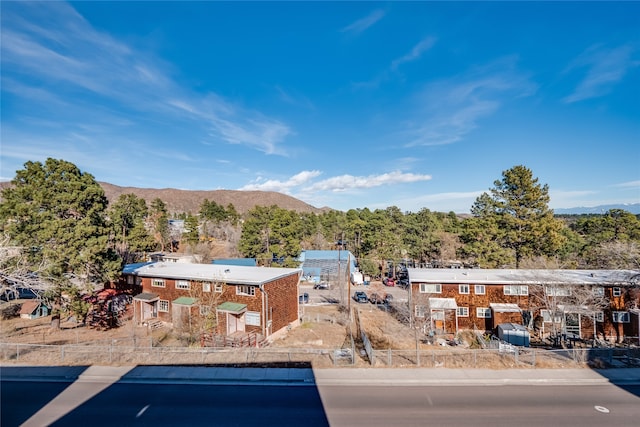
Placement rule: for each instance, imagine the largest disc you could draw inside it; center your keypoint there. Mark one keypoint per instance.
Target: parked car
(360, 296)
(375, 298)
(322, 285)
(388, 299)
(388, 281)
(403, 283)
(303, 298)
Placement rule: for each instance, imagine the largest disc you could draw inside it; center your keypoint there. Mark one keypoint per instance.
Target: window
(218, 288)
(246, 290)
(427, 288)
(206, 286)
(516, 290)
(621, 317)
(463, 311)
(183, 284)
(599, 316)
(483, 312)
(557, 292)
(157, 283)
(163, 305)
(130, 280)
(546, 316)
(478, 289)
(252, 318)
(617, 292)
(420, 310)
(463, 289)
(598, 291)
(205, 310)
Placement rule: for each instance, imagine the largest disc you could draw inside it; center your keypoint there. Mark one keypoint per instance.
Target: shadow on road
(239, 394)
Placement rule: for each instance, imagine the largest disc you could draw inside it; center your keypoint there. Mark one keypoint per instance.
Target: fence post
(17, 351)
(389, 357)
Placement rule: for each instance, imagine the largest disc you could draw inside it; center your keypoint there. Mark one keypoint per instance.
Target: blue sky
(347, 105)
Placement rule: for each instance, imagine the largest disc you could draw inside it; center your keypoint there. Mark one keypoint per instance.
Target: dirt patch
(321, 327)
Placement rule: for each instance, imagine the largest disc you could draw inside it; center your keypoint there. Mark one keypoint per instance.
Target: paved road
(195, 396)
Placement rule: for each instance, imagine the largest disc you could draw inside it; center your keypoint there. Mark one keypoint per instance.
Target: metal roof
(524, 277)
(239, 275)
(442, 303)
(232, 307)
(504, 307)
(146, 296)
(184, 301)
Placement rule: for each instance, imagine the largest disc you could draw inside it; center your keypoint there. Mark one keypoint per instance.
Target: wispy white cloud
(282, 186)
(450, 109)
(303, 186)
(630, 184)
(416, 52)
(388, 73)
(605, 67)
(350, 182)
(72, 62)
(362, 24)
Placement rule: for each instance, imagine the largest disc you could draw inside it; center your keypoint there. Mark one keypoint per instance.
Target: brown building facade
(219, 299)
(578, 303)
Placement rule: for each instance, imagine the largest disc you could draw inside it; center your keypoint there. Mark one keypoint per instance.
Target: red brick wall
(282, 299)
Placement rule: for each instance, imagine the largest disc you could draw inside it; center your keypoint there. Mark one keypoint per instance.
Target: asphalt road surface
(159, 404)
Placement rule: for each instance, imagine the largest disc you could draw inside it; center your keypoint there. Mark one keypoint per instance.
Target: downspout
(265, 300)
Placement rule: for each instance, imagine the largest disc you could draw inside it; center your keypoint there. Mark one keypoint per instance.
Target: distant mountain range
(634, 208)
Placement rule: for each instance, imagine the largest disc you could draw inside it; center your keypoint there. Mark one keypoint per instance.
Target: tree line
(60, 219)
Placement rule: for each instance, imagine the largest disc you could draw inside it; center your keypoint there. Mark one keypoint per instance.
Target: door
(235, 323)
(572, 324)
(438, 321)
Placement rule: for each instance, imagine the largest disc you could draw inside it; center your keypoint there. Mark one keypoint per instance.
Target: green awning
(232, 307)
(185, 301)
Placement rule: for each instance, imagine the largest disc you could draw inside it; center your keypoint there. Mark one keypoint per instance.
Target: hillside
(190, 200)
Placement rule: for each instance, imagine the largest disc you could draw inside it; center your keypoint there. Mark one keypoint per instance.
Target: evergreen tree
(128, 216)
(159, 224)
(59, 214)
(516, 217)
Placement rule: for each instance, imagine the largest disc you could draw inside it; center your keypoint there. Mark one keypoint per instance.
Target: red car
(389, 282)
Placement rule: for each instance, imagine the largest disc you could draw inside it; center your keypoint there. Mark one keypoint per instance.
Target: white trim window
(157, 283)
(218, 288)
(163, 305)
(478, 289)
(183, 284)
(205, 310)
(206, 286)
(246, 290)
(483, 313)
(252, 318)
(516, 290)
(599, 316)
(430, 288)
(463, 289)
(546, 316)
(463, 311)
(598, 291)
(617, 292)
(130, 279)
(621, 317)
(420, 310)
(556, 291)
